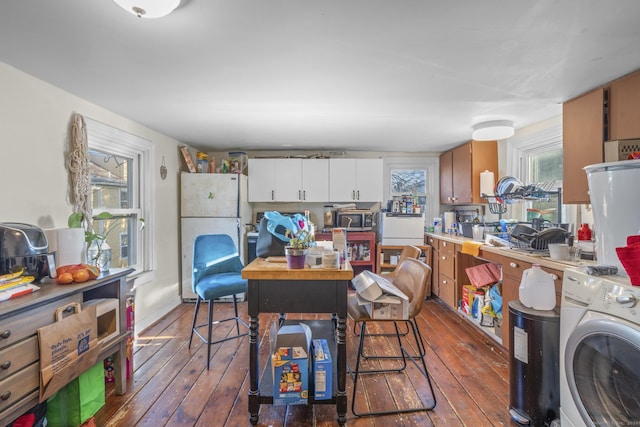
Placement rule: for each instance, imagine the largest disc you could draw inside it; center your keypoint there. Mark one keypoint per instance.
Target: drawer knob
(6, 365)
(444, 257)
(5, 334)
(513, 265)
(6, 395)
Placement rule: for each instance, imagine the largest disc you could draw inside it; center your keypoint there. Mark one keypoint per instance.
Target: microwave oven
(354, 219)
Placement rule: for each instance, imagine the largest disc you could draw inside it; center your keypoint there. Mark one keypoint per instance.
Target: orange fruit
(81, 276)
(64, 279)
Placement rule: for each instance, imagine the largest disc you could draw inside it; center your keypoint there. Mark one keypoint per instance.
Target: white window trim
(107, 138)
(520, 146)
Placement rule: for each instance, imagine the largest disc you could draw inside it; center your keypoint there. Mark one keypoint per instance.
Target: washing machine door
(602, 364)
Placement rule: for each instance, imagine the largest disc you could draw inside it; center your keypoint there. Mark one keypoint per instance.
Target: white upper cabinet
(262, 180)
(315, 180)
(355, 180)
(288, 180)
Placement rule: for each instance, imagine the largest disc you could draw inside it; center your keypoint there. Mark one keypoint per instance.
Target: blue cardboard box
(290, 363)
(322, 370)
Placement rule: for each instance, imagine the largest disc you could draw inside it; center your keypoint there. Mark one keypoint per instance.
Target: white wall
(34, 133)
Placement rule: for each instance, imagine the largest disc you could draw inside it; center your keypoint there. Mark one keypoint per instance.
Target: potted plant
(98, 250)
(296, 251)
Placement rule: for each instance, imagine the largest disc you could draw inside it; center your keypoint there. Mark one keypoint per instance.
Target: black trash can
(534, 365)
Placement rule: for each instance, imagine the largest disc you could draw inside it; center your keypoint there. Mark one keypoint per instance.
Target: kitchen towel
(471, 248)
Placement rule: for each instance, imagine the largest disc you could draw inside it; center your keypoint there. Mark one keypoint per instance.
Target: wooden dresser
(20, 319)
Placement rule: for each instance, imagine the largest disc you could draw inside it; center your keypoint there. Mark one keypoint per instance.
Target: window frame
(521, 146)
(108, 139)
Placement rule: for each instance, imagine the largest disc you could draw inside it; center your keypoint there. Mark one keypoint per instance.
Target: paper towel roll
(449, 220)
(487, 183)
(68, 243)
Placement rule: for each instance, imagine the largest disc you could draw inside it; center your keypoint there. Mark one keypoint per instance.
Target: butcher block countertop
(275, 268)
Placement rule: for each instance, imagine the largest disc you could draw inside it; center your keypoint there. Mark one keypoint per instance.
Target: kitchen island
(274, 288)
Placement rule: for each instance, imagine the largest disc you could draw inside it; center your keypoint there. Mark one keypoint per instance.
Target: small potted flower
(296, 251)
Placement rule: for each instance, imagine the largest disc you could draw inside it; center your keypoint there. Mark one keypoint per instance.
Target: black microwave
(354, 220)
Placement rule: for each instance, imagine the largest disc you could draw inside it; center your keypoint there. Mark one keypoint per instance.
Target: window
(416, 176)
(536, 158)
(410, 181)
(119, 173)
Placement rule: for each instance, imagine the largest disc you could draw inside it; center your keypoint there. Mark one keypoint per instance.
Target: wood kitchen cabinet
(512, 270)
(435, 269)
(624, 109)
(583, 134)
(460, 170)
(443, 271)
(355, 180)
(288, 180)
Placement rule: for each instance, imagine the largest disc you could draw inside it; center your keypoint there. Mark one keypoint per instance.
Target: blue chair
(216, 273)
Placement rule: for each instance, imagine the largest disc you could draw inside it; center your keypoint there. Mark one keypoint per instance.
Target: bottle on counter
(584, 232)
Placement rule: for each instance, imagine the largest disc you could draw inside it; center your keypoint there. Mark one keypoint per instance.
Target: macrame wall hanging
(78, 165)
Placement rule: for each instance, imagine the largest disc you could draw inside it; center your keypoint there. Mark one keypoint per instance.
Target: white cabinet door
(262, 180)
(342, 180)
(315, 180)
(288, 180)
(369, 179)
(355, 180)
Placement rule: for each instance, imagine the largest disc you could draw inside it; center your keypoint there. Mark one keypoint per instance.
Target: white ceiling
(384, 75)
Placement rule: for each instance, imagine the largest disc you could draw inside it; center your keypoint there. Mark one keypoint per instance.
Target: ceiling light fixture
(149, 8)
(495, 129)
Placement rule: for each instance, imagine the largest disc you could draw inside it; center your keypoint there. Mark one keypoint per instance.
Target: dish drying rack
(538, 192)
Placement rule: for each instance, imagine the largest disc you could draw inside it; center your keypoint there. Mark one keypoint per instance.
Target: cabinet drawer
(25, 324)
(446, 247)
(432, 242)
(17, 356)
(16, 386)
(446, 264)
(514, 268)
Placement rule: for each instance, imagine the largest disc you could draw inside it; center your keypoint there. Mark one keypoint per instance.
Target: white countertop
(533, 258)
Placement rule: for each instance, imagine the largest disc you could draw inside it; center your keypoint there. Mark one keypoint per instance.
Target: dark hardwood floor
(172, 387)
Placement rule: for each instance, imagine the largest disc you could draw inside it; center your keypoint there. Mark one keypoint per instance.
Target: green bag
(79, 400)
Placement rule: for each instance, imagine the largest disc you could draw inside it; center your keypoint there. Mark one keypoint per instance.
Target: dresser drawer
(23, 325)
(17, 386)
(17, 356)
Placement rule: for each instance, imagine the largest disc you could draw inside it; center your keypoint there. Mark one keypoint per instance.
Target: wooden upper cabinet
(583, 142)
(460, 170)
(624, 108)
(462, 174)
(446, 177)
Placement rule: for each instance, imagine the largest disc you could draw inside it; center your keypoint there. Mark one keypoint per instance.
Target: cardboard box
(467, 298)
(108, 315)
(366, 285)
(322, 370)
(290, 363)
(380, 297)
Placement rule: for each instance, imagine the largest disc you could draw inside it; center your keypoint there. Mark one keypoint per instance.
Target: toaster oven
(354, 219)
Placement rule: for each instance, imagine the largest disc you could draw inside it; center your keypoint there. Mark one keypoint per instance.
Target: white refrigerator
(211, 203)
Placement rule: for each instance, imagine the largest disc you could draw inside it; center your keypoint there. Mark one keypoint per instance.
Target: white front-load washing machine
(599, 351)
